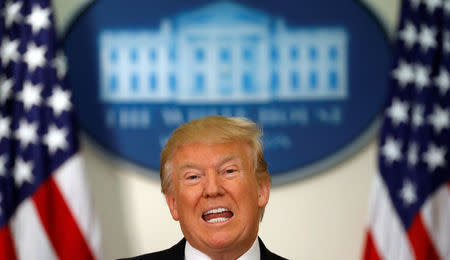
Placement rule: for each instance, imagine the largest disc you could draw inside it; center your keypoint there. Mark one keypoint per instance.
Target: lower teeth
(216, 220)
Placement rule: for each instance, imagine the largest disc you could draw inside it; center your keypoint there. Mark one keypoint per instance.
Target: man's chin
(220, 242)
(217, 241)
(225, 240)
(225, 244)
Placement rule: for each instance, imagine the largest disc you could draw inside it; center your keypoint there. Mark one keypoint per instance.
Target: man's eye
(192, 177)
(230, 170)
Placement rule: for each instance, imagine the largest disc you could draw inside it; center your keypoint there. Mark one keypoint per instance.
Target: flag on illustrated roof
(410, 210)
(45, 211)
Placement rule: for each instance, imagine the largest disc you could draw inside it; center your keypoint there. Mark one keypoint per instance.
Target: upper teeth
(218, 210)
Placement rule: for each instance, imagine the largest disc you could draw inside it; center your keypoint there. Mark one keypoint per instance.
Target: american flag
(410, 210)
(45, 210)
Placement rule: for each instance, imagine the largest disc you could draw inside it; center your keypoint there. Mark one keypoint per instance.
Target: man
(216, 184)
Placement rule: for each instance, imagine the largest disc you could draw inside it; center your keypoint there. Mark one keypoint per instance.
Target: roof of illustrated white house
(226, 13)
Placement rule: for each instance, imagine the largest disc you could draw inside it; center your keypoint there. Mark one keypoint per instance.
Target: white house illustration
(223, 53)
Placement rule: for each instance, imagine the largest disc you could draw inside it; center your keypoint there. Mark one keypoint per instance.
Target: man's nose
(213, 185)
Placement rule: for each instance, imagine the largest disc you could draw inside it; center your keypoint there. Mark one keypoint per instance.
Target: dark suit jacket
(177, 252)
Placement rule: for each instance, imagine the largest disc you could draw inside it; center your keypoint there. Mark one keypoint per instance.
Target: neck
(227, 255)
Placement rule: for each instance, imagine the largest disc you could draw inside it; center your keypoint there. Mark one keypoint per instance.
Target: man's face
(216, 196)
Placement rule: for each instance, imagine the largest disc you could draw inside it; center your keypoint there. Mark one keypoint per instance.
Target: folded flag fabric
(45, 209)
(410, 210)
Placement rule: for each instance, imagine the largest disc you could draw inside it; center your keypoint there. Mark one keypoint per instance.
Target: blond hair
(214, 130)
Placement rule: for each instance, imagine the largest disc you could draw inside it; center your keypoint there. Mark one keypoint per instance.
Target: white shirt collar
(191, 253)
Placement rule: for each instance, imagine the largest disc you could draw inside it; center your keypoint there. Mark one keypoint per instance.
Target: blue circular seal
(311, 73)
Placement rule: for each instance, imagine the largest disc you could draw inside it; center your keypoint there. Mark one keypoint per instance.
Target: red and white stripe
(428, 237)
(57, 222)
(436, 219)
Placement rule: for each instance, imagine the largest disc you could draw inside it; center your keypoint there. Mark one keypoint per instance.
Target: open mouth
(217, 215)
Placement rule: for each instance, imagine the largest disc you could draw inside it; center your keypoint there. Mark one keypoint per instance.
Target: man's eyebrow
(225, 159)
(229, 157)
(188, 165)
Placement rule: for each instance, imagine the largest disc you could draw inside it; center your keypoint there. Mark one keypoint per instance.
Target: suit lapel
(177, 251)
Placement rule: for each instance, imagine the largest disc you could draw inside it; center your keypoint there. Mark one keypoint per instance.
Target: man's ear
(170, 199)
(263, 193)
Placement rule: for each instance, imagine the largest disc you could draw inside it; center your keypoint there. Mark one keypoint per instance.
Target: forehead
(205, 153)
